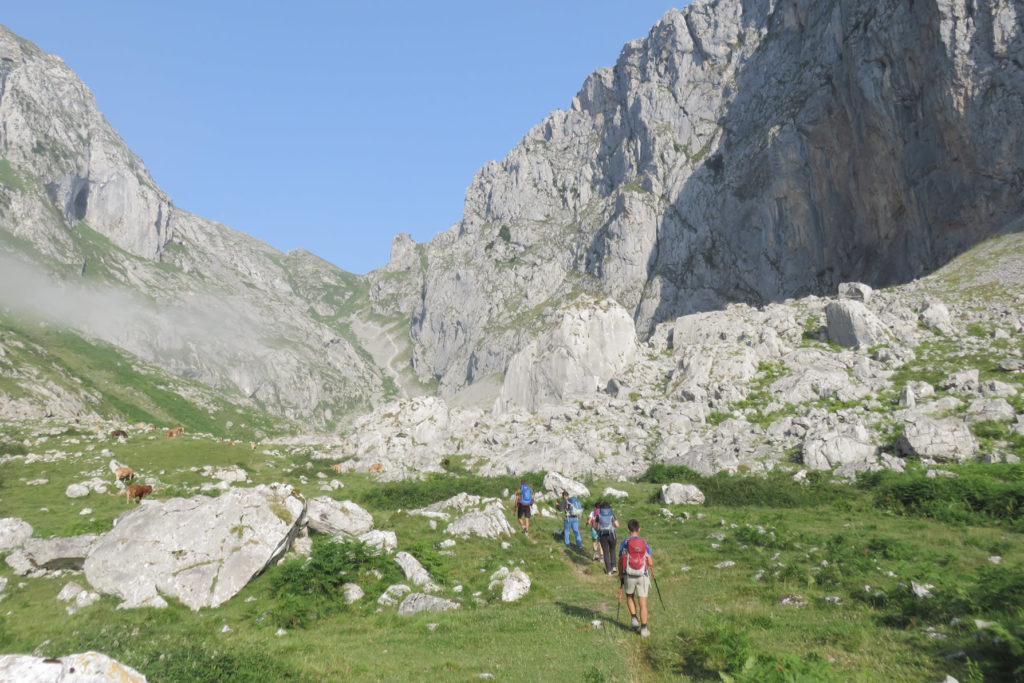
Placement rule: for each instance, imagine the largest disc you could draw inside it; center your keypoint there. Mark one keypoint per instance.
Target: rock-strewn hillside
(745, 151)
(851, 382)
(88, 240)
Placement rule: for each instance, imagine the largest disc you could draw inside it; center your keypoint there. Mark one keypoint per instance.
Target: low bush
(437, 487)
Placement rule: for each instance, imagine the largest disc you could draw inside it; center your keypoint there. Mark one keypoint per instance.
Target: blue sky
(329, 126)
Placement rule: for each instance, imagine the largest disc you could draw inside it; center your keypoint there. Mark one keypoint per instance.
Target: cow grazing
(171, 433)
(118, 434)
(376, 467)
(136, 491)
(252, 445)
(336, 467)
(124, 473)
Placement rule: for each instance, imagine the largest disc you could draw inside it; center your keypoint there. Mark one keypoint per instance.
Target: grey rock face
(742, 151)
(515, 586)
(199, 550)
(415, 572)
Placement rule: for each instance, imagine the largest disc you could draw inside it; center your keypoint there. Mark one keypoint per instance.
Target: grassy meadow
(844, 557)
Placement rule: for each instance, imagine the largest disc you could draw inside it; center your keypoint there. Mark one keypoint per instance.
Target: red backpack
(634, 560)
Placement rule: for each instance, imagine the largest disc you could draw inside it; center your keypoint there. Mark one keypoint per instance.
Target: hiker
(605, 524)
(635, 566)
(592, 524)
(573, 508)
(524, 501)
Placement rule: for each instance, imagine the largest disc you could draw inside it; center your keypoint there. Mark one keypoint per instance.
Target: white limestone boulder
(826, 447)
(85, 667)
(326, 515)
(199, 550)
(515, 586)
(681, 494)
(13, 532)
(942, 440)
(415, 572)
(555, 483)
(853, 325)
(421, 602)
(489, 522)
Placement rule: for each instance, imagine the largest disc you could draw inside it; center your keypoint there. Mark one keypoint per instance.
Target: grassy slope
(710, 614)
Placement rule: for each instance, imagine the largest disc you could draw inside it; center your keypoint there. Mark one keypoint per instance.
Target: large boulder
(86, 667)
(555, 483)
(416, 572)
(852, 324)
(489, 522)
(13, 532)
(337, 518)
(199, 550)
(681, 494)
(942, 440)
(515, 585)
(826, 448)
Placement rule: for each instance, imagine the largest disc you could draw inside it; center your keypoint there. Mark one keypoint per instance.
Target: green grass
(821, 541)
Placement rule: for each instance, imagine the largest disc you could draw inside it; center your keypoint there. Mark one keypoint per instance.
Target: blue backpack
(605, 521)
(525, 495)
(575, 507)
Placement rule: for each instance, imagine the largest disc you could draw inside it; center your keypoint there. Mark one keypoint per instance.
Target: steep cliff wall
(746, 150)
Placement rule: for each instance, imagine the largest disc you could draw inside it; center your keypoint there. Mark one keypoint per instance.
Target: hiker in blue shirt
(635, 565)
(571, 506)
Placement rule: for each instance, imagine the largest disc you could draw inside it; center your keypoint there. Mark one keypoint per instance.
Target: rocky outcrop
(199, 550)
(745, 150)
(93, 667)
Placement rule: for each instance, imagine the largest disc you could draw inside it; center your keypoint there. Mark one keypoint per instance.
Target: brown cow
(124, 474)
(336, 467)
(136, 491)
(118, 433)
(171, 433)
(376, 467)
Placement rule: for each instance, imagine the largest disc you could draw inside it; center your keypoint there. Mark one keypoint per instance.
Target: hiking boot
(597, 557)
(634, 623)
(644, 632)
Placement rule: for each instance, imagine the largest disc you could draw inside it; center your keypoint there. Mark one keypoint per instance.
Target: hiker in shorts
(571, 507)
(605, 523)
(592, 525)
(524, 501)
(635, 566)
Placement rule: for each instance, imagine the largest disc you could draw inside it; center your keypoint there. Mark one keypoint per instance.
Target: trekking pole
(657, 588)
(620, 602)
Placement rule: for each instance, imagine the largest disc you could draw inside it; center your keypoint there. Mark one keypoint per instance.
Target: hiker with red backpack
(635, 571)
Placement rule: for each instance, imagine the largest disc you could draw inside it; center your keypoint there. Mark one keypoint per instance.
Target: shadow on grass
(621, 623)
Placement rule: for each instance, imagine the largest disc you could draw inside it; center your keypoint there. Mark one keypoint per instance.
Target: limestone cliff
(744, 151)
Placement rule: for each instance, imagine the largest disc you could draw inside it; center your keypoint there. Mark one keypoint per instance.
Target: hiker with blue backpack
(606, 522)
(636, 568)
(572, 508)
(524, 503)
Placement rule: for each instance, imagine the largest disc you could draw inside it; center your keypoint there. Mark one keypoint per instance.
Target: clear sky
(329, 125)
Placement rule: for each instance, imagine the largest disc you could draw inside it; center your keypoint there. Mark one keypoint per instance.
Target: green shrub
(436, 487)
(732, 655)
(962, 499)
(310, 589)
